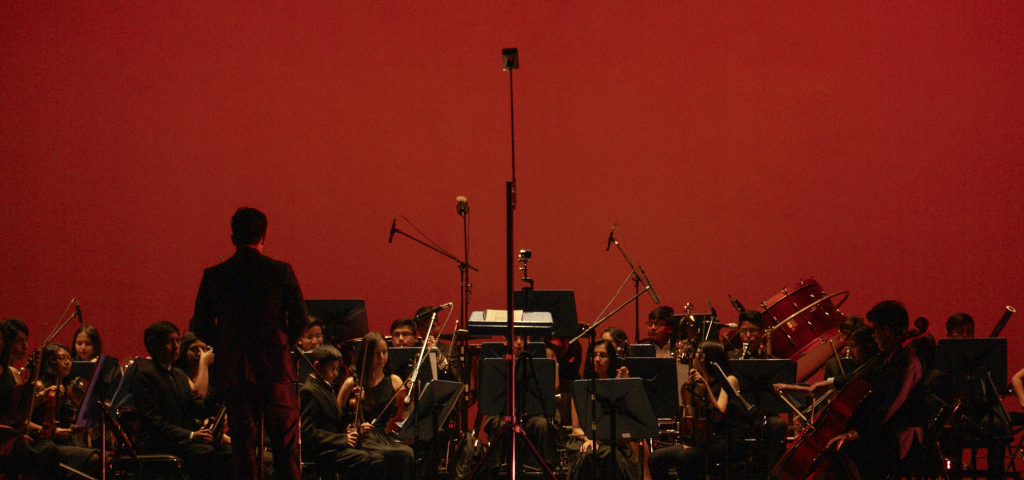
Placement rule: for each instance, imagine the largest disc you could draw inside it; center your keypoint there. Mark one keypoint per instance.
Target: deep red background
(874, 145)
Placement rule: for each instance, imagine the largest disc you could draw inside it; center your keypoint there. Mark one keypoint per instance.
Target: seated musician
(312, 336)
(195, 361)
(19, 453)
(15, 334)
(433, 337)
(88, 347)
(832, 366)
(327, 440)
(726, 425)
(773, 432)
(877, 436)
(377, 393)
(661, 331)
(862, 347)
(170, 412)
(403, 333)
(960, 325)
(618, 462)
(618, 338)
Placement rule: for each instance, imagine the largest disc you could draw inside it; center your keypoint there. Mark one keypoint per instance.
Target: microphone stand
(636, 284)
(599, 322)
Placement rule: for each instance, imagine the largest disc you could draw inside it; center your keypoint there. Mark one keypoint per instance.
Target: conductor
(250, 308)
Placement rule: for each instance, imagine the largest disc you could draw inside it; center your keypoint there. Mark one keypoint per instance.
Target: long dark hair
(613, 359)
(370, 340)
(714, 352)
(94, 335)
(10, 328)
(49, 372)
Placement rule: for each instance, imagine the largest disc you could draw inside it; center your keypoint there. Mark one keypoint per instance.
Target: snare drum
(802, 319)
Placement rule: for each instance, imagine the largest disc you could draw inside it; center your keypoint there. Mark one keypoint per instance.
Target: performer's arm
(1018, 386)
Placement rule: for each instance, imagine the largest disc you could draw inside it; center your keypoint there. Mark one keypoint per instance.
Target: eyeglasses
(62, 358)
(657, 324)
(600, 355)
(750, 331)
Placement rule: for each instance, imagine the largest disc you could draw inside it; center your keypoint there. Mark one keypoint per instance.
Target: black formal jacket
(251, 310)
(323, 425)
(167, 408)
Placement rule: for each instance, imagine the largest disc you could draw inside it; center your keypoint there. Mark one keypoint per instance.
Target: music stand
(660, 382)
(625, 411)
(344, 320)
(88, 414)
(535, 387)
(758, 377)
(967, 360)
(561, 304)
(123, 394)
(643, 350)
(498, 350)
(436, 402)
(403, 360)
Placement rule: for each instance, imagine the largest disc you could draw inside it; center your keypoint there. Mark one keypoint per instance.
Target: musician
(618, 338)
(1017, 383)
(878, 433)
(250, 308)
(195, 362)
(618, 462)
(725, 421)
(403, 333)
(87, 344)
(18, 453)
(960, 325)
(312, 336)
(379, 392)
(15, 334)
(54, 367)
(660, 331)
(832, 365)
(326, 439)
(170, 412)
(751, 330)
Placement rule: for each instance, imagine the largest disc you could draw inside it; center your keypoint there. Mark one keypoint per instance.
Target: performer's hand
(353, 438)
(431, 342)
(225, 439)
(842, 437)
(204, 436)
(365, 428)
(206, 356)
(357, 392)
(589, 445)
(62, 433)
(42, 393)
(622, 372)
(820, 388)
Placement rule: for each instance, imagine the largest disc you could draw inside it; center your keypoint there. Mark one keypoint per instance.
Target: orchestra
(863, 398)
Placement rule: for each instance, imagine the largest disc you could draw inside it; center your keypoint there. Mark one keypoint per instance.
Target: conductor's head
(248, 227)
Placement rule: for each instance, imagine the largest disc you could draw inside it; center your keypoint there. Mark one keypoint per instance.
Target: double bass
(808, 452)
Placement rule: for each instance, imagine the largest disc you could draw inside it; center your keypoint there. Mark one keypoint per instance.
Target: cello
(808, 452)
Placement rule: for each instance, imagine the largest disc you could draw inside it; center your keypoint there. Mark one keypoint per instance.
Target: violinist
(725, 422)
(170, 411)
(15, 334)
(18, 453)
(88, 347)
(878, 433)
(618, 462)
(326, 439)
(312, 336)
(377, 393)
(56, 416)
(619, 340)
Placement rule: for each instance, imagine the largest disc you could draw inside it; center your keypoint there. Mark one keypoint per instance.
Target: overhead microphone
(78, 311)
(433, 310)
(736, 304)
(647, 281)
(391, 236)
(714, 314)
(611, 238)
(463, 206)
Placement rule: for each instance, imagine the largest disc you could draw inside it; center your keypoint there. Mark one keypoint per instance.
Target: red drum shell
(804, 338)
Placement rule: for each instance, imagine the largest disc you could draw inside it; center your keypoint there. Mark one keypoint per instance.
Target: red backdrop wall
(875, 146)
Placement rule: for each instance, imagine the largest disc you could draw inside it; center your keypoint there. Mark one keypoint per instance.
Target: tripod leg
(518, 432)
(504, 430)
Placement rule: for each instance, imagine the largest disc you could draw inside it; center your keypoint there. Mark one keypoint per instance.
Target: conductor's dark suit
(250, 308)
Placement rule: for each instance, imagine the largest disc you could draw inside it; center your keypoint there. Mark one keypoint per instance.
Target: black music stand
(344, 320)
(561, 304)
(123, 396)
(88, 413)
(965, 361)
(498, 350)
(643, 350)
(403, 360)
(758, 377)
(660, 381)
(435, 403)
(534, 384)
(625, 411)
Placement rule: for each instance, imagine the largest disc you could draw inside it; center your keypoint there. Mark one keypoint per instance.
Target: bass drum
(802, 319)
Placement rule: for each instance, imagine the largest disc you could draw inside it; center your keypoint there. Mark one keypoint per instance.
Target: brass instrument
(686, 336)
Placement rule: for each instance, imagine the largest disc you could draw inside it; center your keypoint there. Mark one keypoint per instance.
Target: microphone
(391, 236)
(611, 238)
(463, 206)
(736, 304)
(432, 311)
(647, 281)
(78, 311)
